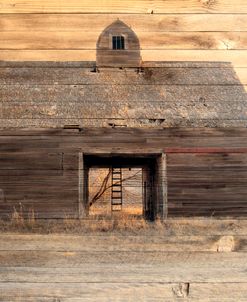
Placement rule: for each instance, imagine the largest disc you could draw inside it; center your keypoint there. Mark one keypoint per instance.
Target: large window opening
(131, 184)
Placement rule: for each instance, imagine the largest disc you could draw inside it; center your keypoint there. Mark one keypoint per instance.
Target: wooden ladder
(116, 190)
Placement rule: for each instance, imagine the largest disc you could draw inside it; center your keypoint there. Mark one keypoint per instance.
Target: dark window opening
(118, 42)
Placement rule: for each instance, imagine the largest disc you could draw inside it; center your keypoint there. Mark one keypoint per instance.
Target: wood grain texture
(95, 23)
(76, 291)
(133, 243)
(87, 267)
(236, 57)
(68, 40)
(125, 6)
(195, 179)
(199, 184)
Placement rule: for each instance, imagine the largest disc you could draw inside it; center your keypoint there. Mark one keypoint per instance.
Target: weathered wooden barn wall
(193, 75)
(206, 168)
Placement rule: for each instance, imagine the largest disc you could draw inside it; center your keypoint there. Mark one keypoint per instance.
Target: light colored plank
(124, 273)
(123, 243)
(237, 57)
(139, 23)
(79, 259)
(148, 40)
(122, 6)
(118, 291)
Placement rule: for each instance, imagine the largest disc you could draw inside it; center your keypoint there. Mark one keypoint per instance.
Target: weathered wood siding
(194, 59)
(177, 94)
(206, 168)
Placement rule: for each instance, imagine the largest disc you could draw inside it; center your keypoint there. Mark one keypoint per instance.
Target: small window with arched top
(118, 43)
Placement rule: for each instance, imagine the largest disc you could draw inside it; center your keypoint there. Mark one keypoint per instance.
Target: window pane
(114, 42)
(122, 43)
(118, 42)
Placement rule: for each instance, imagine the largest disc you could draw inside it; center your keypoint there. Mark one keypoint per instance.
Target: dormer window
(118, 46)
(118, 42)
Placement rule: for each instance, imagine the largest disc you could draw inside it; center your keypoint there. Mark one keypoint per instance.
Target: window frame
(118, 35)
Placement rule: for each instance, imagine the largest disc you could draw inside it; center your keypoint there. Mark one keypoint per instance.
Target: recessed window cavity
(118, 43)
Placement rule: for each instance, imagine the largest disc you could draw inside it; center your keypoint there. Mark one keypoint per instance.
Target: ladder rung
(117, 197)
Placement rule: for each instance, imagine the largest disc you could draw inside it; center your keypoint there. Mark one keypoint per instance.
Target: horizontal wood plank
(83, 260)
(175, 75)
(139, 23)
(122, 6)
(148, 40)
(156, 242)
(109, 94)
(105, 292)
(162, 110)
(138, 273)
(236, 57)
